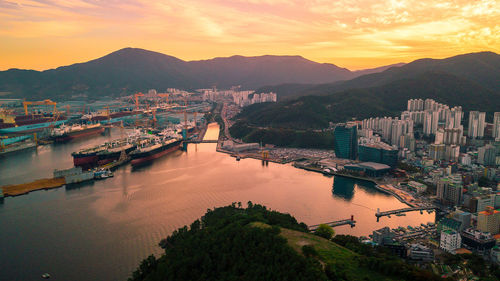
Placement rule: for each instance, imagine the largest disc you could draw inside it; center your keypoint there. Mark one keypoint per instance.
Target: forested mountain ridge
(315, 112)
(130, 69)
(481, 68)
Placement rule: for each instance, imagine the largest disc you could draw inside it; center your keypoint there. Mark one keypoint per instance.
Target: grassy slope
(328, 251)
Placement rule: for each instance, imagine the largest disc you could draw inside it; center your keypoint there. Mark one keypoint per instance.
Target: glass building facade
(345, 142)
(378, 155)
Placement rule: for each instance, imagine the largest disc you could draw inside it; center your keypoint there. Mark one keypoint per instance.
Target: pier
(404, 210)
(350, 222)
(200, 141)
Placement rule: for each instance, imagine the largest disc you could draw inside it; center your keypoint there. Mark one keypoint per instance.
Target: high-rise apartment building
(476, 124)
(486, 155)
(496, 126)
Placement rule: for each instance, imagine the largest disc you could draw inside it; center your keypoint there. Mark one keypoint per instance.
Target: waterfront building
(370, 169)
(450, 241)
(417, 187)
(345, 142)
(489, 220)
(383, 236)
(378, 152)
(476, 124)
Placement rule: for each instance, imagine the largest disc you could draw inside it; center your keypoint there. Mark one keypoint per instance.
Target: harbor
(116, 222)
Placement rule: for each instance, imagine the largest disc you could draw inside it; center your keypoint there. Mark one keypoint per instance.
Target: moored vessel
(150, 149)
(67, 133)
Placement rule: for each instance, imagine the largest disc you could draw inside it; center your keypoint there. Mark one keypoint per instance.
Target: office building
(345, 141)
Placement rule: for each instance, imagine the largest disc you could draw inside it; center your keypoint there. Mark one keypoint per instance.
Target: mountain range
(471, 81)
(130, 70)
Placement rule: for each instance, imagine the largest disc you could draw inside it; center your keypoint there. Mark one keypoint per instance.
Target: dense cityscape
(250, 140)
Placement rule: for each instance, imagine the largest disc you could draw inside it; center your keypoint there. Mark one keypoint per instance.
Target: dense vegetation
(254, 243)
(315, 112)
(283, 137)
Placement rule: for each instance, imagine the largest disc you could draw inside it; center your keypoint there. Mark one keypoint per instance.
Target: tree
(309, 251)
(325, 231)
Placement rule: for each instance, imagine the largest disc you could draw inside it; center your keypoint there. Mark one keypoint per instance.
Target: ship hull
(30, 128)
(110, 157)
(79, 134)
(150, 156)
(85, 161)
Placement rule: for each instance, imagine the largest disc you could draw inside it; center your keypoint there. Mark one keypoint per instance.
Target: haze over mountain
(471, 81)
(482, 68)
(129, 70)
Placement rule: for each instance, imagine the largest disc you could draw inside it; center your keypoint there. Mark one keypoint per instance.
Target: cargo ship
(105, 153)
(23, 124)
(67, 133)
(114, 150)
(114, 117)
(151, 149)
(87, 157)
(21, 145)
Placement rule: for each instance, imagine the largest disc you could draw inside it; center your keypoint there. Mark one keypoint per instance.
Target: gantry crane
(44, 102)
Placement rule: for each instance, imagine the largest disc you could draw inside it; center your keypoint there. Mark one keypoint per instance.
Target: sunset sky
(43, 34)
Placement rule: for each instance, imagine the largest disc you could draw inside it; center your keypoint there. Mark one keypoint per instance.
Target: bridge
(201, 141)
(404, 210)
(350, 221)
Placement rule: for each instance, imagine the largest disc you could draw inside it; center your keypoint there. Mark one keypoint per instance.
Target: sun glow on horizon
(43, 34)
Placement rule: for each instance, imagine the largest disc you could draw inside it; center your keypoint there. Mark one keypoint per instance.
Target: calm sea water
(102, 230)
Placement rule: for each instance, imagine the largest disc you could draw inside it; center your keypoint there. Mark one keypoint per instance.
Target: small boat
(103, 174)
(45, 276)
(400, 215)
(238, 158)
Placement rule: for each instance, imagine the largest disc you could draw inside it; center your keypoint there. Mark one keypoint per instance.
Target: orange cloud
(42, 34)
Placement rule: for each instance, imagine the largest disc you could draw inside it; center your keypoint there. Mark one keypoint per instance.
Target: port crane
(44, 102)
(136, 96)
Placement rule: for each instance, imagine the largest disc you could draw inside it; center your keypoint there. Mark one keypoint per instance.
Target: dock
(349, 221)
(379, 214)
(20, 189)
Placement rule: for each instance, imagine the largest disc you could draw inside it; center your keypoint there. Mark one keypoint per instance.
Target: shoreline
(377, 185)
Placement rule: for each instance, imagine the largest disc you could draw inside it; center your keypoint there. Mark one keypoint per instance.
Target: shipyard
(150, 126)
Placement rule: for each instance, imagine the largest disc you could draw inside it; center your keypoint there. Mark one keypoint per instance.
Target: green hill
(315, 112)
(254, 243)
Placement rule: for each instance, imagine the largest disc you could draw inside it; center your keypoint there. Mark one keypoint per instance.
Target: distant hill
(129, 70)
(315, 112)
(482, 68)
